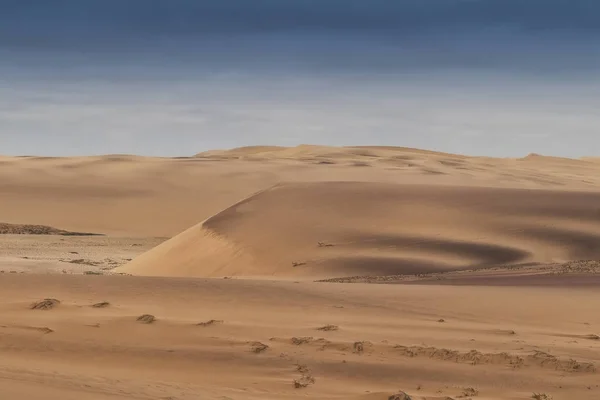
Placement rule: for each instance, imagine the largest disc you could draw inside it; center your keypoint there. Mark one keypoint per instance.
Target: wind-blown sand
(494, 263)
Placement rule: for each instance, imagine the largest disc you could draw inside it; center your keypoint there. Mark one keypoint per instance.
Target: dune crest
(341, 229)
(151, 196)
(304, 151)
(197, 251)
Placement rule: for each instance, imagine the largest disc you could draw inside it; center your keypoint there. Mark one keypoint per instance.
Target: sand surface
(306, 272)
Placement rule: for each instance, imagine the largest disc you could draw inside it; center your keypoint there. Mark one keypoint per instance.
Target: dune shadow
(580, 245)
(382, 266)
(552, 204)
(481, 254)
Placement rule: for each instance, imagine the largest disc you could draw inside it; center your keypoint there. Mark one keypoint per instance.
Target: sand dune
(305, 150)
(144, 196)
(337, 229)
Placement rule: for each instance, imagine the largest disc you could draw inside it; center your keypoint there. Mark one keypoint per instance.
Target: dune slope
(336, 229)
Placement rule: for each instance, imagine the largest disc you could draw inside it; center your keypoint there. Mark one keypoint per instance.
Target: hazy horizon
(173, 78)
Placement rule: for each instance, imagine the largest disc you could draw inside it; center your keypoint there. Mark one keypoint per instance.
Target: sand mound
(336, 229)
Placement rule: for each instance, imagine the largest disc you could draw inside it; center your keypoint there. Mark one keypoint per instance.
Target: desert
(269, 272)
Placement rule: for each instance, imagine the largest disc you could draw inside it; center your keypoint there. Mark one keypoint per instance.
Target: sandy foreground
(306, 272)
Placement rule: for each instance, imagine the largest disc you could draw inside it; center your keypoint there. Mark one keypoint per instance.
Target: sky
(176, 77)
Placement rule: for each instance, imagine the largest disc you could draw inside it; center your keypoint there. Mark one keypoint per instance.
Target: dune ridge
(342, 229)
(218, 252)
(156, 196)
(371, 151)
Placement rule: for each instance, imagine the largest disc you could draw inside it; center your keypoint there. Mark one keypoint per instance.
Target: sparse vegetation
(297, 264)
(469, 392)
(210, 322)
(306, 379)
(400, 396)
(82, 261)
(328, 328)
(303, 382)
(102, 304)
(258, 347)
(303, 369)
(323, 244)
(46, 304)
(359, 347)
(538, 359)
(93, 273)
(326, 162)
(541, 396)
(146, 319)
(301, 340)
(360, 164)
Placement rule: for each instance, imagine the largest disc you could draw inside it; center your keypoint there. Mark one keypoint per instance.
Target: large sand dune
(334, 229)
(143, 196)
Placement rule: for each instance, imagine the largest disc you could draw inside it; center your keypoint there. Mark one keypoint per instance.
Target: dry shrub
(146, 319)
(46, 304)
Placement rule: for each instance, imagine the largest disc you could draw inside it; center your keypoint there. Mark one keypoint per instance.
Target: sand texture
(367, 273)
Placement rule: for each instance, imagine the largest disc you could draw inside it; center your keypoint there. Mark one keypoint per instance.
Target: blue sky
(175, 77)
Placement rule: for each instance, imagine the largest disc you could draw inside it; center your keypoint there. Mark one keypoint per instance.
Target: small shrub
(258, 347)
(46, 304)
(328, 328)
(470, 392)
(146, 319)
(400, 396)
(210, 322)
